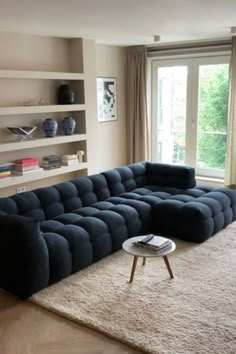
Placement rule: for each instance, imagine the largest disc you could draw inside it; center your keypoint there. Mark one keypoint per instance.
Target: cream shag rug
(193, 313)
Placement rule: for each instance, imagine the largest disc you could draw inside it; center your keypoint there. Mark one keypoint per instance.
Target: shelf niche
(28, 84)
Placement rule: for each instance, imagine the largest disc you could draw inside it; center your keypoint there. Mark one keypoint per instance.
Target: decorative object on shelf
(50, 127)
(28, 103)
(43, 102)
(22, 132)
(68, 125)
(106, 99)
(51, 162)
(80, 154)
(65, 95)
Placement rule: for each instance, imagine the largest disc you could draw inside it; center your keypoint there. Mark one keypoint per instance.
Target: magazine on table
(153, 243)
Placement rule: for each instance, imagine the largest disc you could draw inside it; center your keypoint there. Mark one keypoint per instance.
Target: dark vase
(50, 127)
(68, 125)
(65, 95)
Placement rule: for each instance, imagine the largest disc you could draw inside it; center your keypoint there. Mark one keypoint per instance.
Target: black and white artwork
(106, 99)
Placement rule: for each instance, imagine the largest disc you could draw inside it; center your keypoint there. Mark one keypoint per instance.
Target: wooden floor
(27, 329)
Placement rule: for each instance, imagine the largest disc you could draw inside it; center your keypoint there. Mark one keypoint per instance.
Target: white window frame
(193, 63)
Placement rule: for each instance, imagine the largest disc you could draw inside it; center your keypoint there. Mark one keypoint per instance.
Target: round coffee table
(137, 251)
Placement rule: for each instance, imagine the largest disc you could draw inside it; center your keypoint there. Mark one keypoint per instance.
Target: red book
(27, 161)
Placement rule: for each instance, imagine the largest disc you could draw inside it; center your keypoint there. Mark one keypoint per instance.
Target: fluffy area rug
(193, 313)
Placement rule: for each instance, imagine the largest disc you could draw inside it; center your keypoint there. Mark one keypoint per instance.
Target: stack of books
(5, 170)
(50, 162)
(69, 160)
(153, 243)
(24, 166)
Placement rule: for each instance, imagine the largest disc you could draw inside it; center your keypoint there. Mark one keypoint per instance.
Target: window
(189, 112)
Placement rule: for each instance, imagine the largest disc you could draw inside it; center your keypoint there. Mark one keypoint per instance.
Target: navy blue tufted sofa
(49, 233)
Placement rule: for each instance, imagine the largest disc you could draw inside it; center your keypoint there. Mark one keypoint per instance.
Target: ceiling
(121, 22)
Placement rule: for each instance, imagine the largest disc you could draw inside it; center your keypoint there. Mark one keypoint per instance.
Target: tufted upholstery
(52, 232)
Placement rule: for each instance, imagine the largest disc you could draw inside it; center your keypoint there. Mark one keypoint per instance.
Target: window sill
(210, 181)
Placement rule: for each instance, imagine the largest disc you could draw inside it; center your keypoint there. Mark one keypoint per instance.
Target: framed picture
(106, 99)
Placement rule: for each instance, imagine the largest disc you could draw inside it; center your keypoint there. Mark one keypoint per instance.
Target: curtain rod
(189, 45)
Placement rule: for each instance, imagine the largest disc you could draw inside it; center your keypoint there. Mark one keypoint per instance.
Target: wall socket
(20, 189)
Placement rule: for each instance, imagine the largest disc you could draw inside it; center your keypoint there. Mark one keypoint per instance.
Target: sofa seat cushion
(194, 219)
(60, 262)
(77, 247)
(185, 198)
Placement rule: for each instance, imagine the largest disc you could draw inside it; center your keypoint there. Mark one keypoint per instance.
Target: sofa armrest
(24, 264)
(170, 175)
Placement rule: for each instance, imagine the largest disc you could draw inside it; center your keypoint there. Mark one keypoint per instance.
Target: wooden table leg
(168, 266)
(144, 261)
(133, 268)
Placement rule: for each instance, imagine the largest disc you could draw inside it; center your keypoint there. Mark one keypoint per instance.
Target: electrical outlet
(20, 189)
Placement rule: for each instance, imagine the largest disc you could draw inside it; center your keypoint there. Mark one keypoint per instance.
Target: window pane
(212, 115)
(172, 92)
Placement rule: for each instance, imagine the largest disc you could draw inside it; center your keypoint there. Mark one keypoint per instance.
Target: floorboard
(28, 329)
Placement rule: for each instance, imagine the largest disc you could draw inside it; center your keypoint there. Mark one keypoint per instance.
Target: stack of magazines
(153, 243)
(50, 162)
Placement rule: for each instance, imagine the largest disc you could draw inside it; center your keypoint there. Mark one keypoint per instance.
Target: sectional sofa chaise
(49, 233)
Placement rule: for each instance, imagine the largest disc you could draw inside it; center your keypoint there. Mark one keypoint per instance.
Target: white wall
(110, 141)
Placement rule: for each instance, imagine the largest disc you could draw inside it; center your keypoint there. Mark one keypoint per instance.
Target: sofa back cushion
(125, 179)
(170, 175)
(25, 204)
(48, 202)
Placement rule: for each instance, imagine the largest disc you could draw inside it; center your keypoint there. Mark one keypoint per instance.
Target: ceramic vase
(65, 95)
(68, 125)
(50, 127)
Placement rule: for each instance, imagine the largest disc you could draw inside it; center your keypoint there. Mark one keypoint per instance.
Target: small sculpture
(80, 154)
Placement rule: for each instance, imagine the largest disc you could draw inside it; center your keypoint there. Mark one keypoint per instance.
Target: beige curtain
(230, 171)
(136, 104)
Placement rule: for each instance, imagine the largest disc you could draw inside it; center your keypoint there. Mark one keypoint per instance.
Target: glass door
(170, 87)
(189, 113)
(213, 83)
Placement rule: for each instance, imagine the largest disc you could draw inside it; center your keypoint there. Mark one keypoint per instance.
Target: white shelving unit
(6, 111)
(41, 142)
(24, 114)
(32, 176)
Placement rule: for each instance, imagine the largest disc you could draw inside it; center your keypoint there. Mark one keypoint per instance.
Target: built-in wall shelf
(34, 143)
(37, 175)
(28, 97)
(5, 111)
(43, 75)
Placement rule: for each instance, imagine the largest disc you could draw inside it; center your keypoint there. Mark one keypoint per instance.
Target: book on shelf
(70, 162)
(6, 167)
(27, 161)
(5, 174)
(25, 168)
(153, 243)
(70, 157)
(51, 162)
(51, 167)
(51, 158)
(22, 173)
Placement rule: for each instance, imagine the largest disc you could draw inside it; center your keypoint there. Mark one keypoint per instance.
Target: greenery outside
(212, 116)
